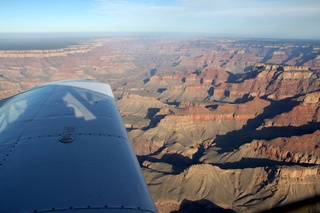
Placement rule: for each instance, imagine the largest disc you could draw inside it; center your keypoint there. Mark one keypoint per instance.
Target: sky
(245, 18)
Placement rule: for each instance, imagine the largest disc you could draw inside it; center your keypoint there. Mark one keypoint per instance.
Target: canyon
(217, 124)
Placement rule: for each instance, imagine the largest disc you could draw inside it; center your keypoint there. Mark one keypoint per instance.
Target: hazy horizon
(97, 35)
(294, 19)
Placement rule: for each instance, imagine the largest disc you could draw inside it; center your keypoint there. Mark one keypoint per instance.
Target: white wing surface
(63, 147)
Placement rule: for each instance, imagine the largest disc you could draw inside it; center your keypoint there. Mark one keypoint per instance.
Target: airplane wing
(64, 148)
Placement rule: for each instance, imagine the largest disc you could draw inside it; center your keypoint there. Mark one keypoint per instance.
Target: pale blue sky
(254, 18)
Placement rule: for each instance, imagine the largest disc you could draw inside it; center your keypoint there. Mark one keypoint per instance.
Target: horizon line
(151, 33)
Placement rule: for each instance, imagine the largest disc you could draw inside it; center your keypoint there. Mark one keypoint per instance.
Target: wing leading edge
(63, 147)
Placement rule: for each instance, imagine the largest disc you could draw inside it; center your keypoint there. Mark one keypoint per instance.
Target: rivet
(66, 139)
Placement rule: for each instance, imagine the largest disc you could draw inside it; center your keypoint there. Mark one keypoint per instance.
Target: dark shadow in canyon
(269, 54)
(196, 156)
(203, 205)
(233, 140)
(212, 106)
(274, 79)
(179, 162)
(294, 55)
(307, 57)
(153, 72)
(245, 163)
(307, 205)
(210, 91)
(161, 90)
(245, 98)
(176, 63)
(154, 119)
(248, 68)
(232, 78)
(172, 103)
(266, 58)
(296, 52)
(146, 80)
(241, 77)
(152, 112)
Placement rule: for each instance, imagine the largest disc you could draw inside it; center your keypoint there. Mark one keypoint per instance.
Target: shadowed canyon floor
(230, 125)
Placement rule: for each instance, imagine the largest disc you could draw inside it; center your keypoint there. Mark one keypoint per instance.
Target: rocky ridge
(72, 49)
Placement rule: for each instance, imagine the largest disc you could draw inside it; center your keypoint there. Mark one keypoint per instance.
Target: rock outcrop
(274, 81)
(73, 49)
(243, 190)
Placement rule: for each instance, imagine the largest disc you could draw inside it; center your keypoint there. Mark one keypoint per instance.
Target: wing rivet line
(87, 207)
(66, 139)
